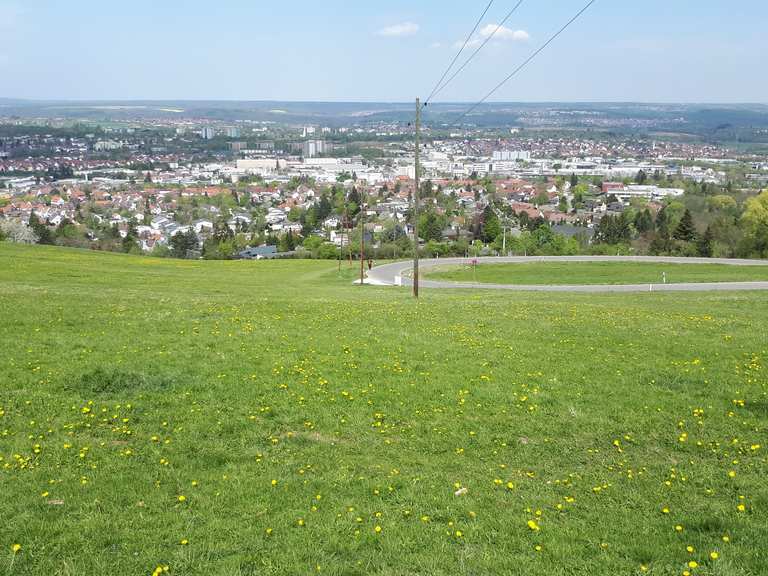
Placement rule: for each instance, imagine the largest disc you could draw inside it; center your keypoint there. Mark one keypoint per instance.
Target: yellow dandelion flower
(532, 525)
(693, 564)
(714, 555)
(184, 542)
(16, 548)
(377, 529)
(182, 498)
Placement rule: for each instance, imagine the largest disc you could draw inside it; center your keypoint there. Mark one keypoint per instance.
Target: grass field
(244, 418)
(597, 273)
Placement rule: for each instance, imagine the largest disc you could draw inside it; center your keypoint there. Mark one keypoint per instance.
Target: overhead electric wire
(461, 50)
(526, 61)
(472, 56)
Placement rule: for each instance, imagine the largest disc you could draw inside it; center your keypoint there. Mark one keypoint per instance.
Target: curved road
(398, 274)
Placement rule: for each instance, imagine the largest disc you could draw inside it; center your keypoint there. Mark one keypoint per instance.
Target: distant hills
(718, 121)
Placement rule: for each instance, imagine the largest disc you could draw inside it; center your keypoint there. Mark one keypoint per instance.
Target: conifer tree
(685, 230)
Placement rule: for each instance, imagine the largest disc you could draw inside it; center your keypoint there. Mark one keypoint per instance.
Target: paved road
(398, 274)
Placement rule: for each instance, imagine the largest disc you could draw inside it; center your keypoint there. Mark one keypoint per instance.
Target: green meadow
(271, 418)
(598, 273)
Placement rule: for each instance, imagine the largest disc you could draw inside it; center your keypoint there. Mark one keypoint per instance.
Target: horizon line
(385, 101)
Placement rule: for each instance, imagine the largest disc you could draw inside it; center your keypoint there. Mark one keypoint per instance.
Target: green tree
(755, 212)
(294, 214)
(353, 203)
(66, 230)
(287, 242)
(42, 232)
(430, 226)
(686, 230)
(129, 241)
(613, 229)
(221, 230)
(182, 243)
(662, 223)
(541, 198)
(705, 243)
(324, 208)
(644, 221)
(491, 226)
(754, 221)
(758, 241)
(722, 203)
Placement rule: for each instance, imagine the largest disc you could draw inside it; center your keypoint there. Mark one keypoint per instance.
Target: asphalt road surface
(399, 274)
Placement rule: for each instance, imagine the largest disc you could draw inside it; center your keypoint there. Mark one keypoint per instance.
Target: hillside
(711, 122)
(272, 418)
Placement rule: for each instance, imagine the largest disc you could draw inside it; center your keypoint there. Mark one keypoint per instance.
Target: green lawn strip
(597, 273)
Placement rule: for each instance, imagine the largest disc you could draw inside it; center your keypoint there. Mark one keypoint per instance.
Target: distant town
(194, 188)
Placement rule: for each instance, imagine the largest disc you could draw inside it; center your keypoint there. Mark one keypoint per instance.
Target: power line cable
(461, 50)
(472, 56)
(526, 61)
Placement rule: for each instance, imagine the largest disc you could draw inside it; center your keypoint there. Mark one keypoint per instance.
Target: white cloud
(402, 29)
(504, 33)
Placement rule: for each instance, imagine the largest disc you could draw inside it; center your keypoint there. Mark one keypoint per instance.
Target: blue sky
(620, 50)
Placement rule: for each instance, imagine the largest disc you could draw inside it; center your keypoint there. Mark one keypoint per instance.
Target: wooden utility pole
(416, 193)
(504, 242)
(341, 245)
(362, 242)
(347, 231)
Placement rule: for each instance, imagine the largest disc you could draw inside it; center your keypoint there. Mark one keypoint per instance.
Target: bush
(115, 381)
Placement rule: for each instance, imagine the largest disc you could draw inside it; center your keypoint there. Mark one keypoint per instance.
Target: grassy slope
(368, 410)
(598, 273)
